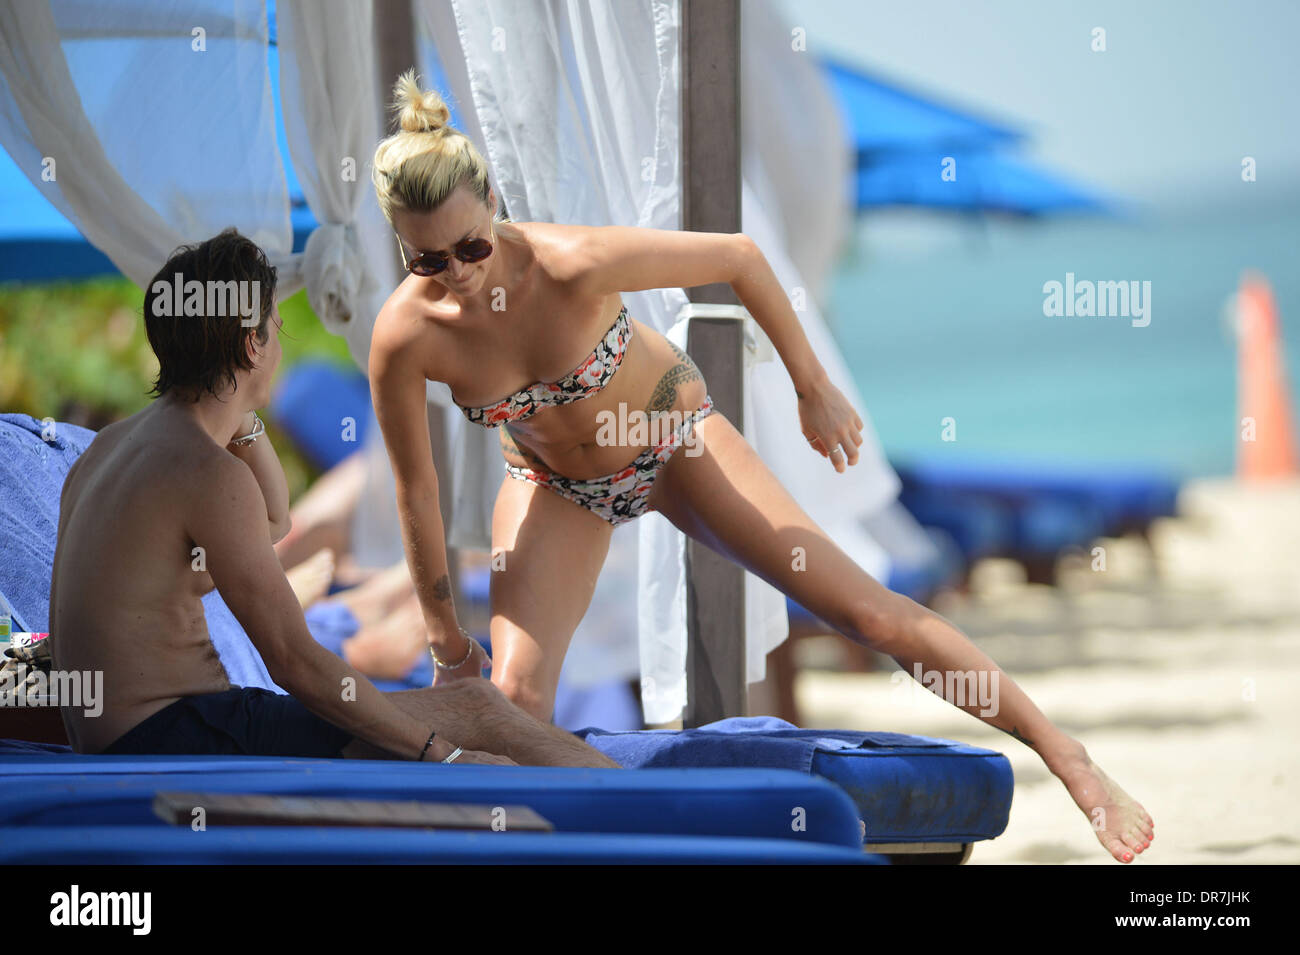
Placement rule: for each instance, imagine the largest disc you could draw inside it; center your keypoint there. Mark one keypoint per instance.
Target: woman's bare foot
(310, 580)
(388, 650)
(1122, 826)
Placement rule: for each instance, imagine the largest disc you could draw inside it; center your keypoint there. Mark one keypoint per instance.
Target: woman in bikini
(524, 322)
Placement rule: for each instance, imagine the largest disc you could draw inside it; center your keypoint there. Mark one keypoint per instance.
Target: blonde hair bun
(419, 111)
(416, 171)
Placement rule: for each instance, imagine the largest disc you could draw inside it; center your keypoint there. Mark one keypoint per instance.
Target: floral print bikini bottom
(623, 495)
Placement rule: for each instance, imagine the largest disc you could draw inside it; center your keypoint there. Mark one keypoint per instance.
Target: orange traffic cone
(1266, 437)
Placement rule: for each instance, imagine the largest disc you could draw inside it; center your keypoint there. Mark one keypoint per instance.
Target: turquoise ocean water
(961, 333)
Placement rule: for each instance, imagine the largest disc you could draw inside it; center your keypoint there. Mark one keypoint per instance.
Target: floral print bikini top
(589, 377)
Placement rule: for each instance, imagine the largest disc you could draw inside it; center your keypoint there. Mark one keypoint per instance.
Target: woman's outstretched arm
(397, 388)
(628, 258)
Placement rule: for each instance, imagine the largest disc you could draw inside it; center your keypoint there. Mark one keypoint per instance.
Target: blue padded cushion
(92, 845)
(906, 788)
(74, 790)
(931, 791)
(1119, 495)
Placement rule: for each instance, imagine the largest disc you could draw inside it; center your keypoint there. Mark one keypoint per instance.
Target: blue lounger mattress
(750, 803)
(906, 788)
(235, 845)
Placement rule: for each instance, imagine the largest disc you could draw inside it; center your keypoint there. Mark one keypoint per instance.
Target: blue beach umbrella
(904, 141)
(883, 117)
(983, 181)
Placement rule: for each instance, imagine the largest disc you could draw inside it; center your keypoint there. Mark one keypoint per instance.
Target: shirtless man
(162, 507)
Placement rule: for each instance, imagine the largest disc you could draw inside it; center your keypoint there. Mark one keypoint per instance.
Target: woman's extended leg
(725, 497)
(546, 555)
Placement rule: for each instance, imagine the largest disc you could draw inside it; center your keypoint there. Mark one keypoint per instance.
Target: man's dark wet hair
(199, 331)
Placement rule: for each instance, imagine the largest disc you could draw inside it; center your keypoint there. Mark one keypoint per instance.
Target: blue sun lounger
(59, 807)
(914, 795)
(904, 797)
(1032, 512)
(238, 845)
(1042, 508)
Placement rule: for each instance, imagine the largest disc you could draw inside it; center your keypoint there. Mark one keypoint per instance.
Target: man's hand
(472, 669)
(476, 758)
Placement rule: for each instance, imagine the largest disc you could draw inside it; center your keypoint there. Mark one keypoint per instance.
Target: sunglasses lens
(431, 263)
(428, 264)
(474, 250)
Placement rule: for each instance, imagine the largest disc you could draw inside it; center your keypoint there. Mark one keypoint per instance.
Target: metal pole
(394, 33)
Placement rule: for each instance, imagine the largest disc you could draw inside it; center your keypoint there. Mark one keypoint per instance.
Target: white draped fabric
(145, 138)
(329, 98)
(576, 106)
(151, 123)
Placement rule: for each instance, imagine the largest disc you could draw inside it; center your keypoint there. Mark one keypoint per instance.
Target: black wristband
(427, 744)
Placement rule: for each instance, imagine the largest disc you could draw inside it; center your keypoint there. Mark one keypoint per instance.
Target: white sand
(1178, 666)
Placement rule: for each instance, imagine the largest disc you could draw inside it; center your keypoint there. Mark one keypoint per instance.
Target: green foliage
(77, 352)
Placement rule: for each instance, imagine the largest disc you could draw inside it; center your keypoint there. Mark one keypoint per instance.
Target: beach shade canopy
(905, 143)
(38, 243)
(981, 181)
(882, 117)
(899, 138)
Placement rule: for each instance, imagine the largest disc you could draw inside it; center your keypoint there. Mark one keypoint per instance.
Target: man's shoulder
(161, 453)
(181, 453)
(213, 468)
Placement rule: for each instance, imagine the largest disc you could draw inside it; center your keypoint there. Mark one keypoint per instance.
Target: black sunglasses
(431, 263)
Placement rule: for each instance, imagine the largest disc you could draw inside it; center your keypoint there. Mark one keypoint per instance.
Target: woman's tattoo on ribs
(510, 446)
(665, 394)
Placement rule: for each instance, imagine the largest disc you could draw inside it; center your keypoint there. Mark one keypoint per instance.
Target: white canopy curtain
(576, 106)
(158, 116)
(156, 119)
(329, 97)
(147, 125)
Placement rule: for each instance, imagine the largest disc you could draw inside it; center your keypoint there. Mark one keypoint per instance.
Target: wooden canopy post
(710, 117)
(394, 33)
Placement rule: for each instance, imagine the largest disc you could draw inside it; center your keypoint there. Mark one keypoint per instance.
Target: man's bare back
(127, 582)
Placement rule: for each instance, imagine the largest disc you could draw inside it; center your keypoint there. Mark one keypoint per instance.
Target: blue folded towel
(735, 742)
(34, 460)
